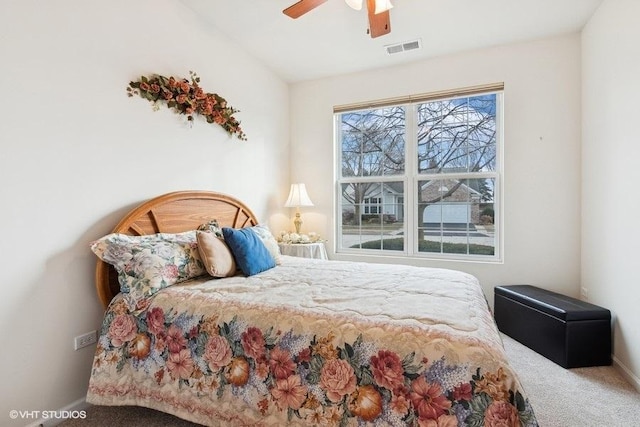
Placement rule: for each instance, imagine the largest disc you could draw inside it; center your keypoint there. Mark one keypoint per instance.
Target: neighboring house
(459, 203)
(386, 200)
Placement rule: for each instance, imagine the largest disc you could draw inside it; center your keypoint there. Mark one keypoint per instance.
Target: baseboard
(74, 410)
(626, 373)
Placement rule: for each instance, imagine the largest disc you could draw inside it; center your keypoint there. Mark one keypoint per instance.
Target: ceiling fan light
(382, 6)
(354, 4)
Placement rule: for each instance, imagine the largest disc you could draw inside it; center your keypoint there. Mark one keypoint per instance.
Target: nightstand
(304, 250)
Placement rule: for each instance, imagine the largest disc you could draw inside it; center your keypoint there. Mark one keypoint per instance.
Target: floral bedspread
(314, 343)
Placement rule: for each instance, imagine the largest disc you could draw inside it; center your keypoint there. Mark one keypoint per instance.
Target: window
(372, 205)
(421, 176)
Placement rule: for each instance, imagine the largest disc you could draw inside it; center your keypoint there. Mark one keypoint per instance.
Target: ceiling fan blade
(379, 24)
(298, 9)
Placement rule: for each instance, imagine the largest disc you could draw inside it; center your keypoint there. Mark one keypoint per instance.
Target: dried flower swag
(187, 98)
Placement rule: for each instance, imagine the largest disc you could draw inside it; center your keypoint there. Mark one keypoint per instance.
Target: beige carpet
(579, 397)
(582, 397)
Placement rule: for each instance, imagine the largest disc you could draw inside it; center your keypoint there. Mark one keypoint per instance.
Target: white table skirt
(304, 250)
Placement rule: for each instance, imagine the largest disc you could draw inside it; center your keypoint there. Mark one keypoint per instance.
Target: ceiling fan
(378, 10)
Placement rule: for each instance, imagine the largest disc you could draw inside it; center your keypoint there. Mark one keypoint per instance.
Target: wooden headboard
(173, 213)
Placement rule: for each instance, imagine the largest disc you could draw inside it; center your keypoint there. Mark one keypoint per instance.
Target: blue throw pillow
(251, 255)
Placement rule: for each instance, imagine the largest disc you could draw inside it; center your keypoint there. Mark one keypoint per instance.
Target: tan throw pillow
(216, 255)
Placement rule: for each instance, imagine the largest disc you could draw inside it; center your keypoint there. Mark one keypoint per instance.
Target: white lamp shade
(382, 6)
(298, 197)
(354, 4)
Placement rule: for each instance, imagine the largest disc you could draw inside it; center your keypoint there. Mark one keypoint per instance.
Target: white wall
(611, 172)
(76, 154)
(541, 151)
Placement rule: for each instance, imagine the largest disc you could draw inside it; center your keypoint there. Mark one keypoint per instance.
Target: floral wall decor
(187, 97)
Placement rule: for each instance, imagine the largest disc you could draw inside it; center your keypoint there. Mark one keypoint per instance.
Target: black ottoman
(570, 332)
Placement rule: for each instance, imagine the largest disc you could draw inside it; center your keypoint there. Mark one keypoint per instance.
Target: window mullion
(338, 184)
(459, 175)
(410, 182)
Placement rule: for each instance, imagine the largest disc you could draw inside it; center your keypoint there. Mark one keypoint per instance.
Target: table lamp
(298, 197)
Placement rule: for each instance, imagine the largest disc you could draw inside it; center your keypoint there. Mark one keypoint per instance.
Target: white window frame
(411, 177)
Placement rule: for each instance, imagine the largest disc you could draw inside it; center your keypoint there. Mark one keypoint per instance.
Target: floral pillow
(147, 264)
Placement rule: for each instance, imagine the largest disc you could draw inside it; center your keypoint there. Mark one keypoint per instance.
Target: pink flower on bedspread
(304, 356)
(400, 403)
(387, 370)
(289, 392)
(123, 329)
(193, 333)
(161, 342)
(142, 304)
(262, 368)
(501, 414)
(180, 365)
(175, 339)
(253, 342)
(463, 392)
(337, 379)
(442, 421)
(428, 399)
(281, 363)
(155, 320)
(217, 353)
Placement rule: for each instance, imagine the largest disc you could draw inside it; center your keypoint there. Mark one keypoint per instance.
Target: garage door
(447, 213)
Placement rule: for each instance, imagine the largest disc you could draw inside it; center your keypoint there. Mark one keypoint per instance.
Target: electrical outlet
(84, 340)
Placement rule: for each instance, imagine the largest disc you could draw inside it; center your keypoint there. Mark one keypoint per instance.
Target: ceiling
(332, 38)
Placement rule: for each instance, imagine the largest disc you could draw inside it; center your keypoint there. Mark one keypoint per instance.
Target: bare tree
(372, 145)
(456, 136)
(455, 139)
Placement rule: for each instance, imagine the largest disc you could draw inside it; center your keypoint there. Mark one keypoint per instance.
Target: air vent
(402, 47)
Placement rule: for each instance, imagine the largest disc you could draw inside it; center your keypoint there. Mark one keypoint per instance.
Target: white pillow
(269, 241)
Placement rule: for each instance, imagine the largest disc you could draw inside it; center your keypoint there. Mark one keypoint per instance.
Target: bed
(303, 342)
